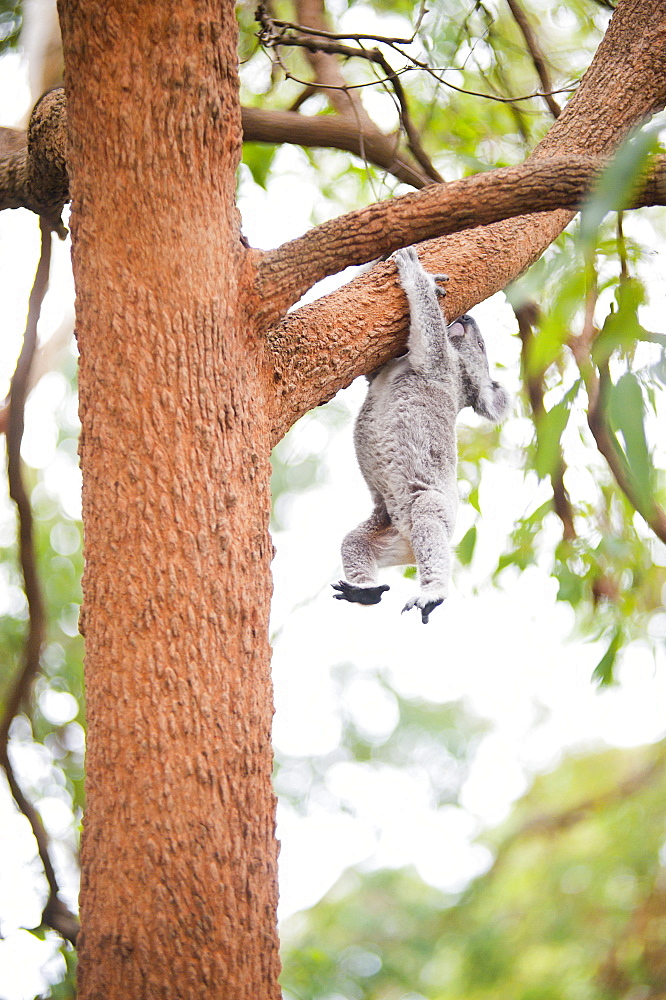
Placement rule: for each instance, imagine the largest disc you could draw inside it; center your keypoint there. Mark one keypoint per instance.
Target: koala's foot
(425, 605)
(359, 595)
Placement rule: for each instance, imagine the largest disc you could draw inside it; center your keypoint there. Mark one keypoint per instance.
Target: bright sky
(507, 652)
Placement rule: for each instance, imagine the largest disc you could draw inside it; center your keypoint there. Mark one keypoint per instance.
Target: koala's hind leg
(432, 527)
(373, 544)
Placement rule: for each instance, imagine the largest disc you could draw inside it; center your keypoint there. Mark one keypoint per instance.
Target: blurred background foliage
(571, 907)
(572, 904)
(10, 24)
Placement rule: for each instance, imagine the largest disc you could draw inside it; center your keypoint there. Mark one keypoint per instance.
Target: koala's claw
(425, 606)
(441, 292)
(359, 595)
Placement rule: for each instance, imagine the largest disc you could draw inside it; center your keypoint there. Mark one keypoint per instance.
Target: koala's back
(405, 436)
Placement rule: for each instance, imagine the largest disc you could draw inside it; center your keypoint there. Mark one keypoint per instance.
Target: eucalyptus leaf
(604, 670)
(621, 328)
(627, 413)
(614, 187)
(466, 546)
(550, 427)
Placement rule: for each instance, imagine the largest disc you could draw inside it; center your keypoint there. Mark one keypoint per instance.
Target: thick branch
(33, 169)
(322, 347)
(336, 131)
(437, 210)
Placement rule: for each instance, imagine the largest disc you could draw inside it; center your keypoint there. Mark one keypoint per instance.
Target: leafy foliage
(10, 24)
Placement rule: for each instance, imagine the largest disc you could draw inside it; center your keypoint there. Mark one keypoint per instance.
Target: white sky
(507, 652)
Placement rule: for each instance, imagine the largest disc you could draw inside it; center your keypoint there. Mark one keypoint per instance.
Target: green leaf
(626, 412)
(621, 328)
(603, 672)
(571, 586)
(466, 546)
(614, 187)
(259, 157)
(473, 499)
(550, 428)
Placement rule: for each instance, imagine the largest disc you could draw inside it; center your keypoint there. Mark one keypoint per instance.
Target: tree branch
(325, 66)
(333, 131)
(322, 53)
(55, 914)
(540, 185)
(390, 76)
(33, 167)
(534, 49)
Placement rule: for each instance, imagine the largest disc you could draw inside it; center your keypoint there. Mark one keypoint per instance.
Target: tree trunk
(179, 856)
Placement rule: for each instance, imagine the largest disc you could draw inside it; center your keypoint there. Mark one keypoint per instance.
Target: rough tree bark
(190, 371)
(179, 856)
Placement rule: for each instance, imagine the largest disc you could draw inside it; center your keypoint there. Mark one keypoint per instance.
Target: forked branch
(540, 185)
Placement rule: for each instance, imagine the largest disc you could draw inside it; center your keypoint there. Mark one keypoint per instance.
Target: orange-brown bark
(179, 856)
(538, 186)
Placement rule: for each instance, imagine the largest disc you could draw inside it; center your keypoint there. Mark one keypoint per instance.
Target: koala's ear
(456, 329)
(493, 401)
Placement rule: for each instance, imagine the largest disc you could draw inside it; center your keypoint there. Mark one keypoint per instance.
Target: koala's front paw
(440, 277)
(406, 256)
(425, 605)
(359, 595)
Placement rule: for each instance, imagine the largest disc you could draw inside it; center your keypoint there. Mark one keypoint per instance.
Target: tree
(191, 369)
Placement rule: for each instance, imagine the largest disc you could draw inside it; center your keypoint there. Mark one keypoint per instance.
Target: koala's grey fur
(405, 438)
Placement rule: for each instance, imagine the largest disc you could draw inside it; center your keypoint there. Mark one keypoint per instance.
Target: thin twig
(350, 52)
(622, 249)
(413, 137)
(17, 491)
(56, 914)
(537, 55)
(324, 54)
(354, 37)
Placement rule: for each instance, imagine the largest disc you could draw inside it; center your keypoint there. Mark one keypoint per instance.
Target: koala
(405, 440)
